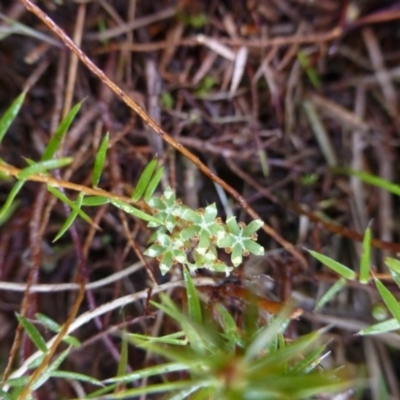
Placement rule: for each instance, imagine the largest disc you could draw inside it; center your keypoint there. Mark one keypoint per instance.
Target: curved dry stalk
(105, 308)
(62, 287)
(163, 134)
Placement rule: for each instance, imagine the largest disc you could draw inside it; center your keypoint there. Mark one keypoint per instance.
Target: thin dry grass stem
(58, 91)
(252, 182)
(61, 287)
(142, 114)
(386, 170)
(135, 247)
(374, 367)
(388, 369)
(321, 134)
(220, 45)
(377, 18)
(357, 146)
(385, 82)
(337, 112)
(138, 23)
(73, 62)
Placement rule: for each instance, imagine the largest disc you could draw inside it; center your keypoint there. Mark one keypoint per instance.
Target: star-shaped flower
(204, 226)
(241, 240)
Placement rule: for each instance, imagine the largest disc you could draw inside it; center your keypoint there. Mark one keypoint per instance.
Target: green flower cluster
(199, 233)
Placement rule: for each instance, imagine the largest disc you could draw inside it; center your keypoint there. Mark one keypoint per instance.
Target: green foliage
(7, 119)
(222, 361)
(58, 136)
(53, 369)
(339, 268)
(312, 74)
(366, 257)
(99, 161)
(182, 230)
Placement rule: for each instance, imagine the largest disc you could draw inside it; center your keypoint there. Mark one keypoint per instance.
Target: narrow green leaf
(383, 392)
(123, 358)
(43, 166)
(144, 180)
(193, 298)
(147, 372)
(229, 327)
(372, 180)
(8, 117)
(72, 341)
(56, 139)
(71, 217)
(50, 324)
(100, 159)
(18, 382)
(75, 376)
(50, 369)
(33, 333)
(381, 327)
(9, 204)
(335, 288)
(135, 212)
(173, 338)
(95, 201)
(309, 362)
(365, 257)
(390, 301)
(334, 265)
(152, 186)
(266, 335)
(70, 203)
(393, 264)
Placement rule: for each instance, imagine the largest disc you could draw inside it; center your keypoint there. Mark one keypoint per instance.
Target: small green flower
(241, 240)
(168, 250)
(204, 226)
(167, 208)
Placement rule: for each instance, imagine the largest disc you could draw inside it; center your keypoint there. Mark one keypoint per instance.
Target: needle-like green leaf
(135, 212)
(33, 333)
(335, 288)
(69, 203)
(56, 139)
(43, 166)
(372, 180)
(10, 199)
(71, 217)
(8, 117)
(95, 201)
(193, 298)
(390, 301)
(144, 180)
(152, 186)
(99, 161)
(365, 257)
(381, 327)
(334, 265)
